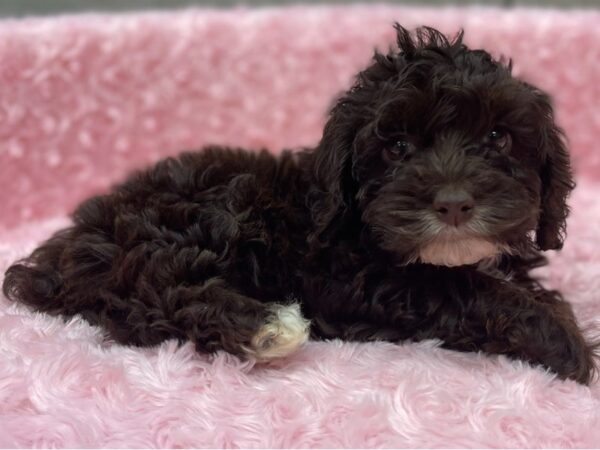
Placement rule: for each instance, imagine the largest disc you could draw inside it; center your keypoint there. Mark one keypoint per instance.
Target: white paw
(283, 333)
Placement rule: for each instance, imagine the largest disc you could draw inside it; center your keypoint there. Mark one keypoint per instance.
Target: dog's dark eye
(398, 149)
(499, 138)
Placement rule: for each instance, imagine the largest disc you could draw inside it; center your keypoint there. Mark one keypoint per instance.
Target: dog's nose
(454, 207)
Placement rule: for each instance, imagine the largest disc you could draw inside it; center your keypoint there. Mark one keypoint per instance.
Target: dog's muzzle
(456, 243)
(454, 207)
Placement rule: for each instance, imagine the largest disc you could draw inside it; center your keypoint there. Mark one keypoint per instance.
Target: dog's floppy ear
(557, 180)
(332, 169)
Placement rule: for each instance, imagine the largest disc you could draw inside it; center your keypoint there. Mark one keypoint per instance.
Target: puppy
(437, 182)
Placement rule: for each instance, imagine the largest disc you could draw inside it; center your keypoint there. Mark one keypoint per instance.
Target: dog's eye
(496, 135)
(498, 138)
(398, 149)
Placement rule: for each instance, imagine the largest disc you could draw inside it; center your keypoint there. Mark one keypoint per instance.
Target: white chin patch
(454, 251)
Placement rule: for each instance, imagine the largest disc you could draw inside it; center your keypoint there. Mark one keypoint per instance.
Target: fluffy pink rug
(85, 99)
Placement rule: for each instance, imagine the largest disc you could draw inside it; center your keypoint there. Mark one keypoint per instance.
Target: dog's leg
(507, 319)
(219, 318)
(562, 313)
(467, 310)
(495, 316)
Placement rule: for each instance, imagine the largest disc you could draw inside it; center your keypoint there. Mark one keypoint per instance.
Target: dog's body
(412, 219)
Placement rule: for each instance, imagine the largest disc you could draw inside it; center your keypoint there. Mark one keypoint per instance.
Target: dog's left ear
(556, 177)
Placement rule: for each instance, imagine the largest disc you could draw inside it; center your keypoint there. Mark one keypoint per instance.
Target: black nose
(454, 206)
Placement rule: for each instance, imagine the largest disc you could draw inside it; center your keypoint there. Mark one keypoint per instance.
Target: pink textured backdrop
(84, 99)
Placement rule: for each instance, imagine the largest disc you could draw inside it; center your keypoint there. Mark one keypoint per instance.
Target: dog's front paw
(574, 360)
(283, 333)
(557, 344)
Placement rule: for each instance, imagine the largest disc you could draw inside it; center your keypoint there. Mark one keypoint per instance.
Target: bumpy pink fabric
(85, 99)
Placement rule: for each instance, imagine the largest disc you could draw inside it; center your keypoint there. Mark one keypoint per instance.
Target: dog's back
(214, 219)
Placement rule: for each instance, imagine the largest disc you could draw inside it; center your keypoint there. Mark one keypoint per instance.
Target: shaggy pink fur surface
(86, 99)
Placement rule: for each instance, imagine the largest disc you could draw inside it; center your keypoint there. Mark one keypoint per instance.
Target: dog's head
(443, 157)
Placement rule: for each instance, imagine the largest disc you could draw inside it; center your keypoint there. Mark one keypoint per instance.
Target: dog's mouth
(457, 248)
(483, 238)
(458, 251)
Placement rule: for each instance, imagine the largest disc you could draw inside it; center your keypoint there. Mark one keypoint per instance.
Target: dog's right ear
(334, 187)
(331, 199)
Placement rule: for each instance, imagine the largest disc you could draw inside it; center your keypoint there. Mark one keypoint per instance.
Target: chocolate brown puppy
(437, 183)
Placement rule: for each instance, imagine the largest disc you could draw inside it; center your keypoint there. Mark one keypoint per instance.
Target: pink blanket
(84, 99)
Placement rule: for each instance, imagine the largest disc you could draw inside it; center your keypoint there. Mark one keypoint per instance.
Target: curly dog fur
(437, 182)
